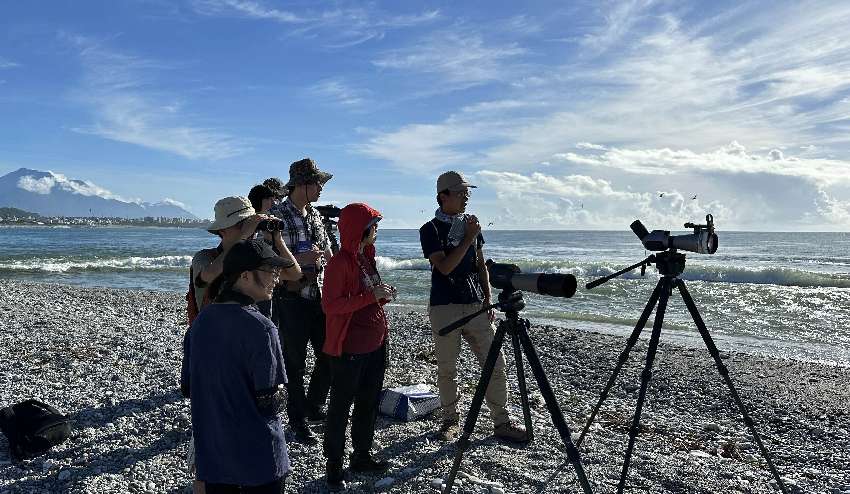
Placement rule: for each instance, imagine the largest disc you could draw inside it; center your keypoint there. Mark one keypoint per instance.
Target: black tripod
(511, 302)
(670, 264)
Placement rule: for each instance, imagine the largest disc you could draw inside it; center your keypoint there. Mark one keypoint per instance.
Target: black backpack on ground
(33, 427)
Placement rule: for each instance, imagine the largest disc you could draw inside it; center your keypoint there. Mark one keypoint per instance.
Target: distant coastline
(17, 217)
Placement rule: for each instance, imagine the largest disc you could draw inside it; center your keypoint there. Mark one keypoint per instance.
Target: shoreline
(110, 358)
(755, 346)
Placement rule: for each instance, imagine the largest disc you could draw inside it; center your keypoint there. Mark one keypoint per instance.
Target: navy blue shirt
(233, 355)
(462, 285)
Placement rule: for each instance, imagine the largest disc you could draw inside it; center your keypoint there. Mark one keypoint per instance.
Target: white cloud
(577, 201)
(119, 91)
(338, 28)
(174, 202)
(7, 64)
(730, 159)
(588, 145)
(245, 8)
(44, 185)
(335, 90)
(617, 24)
(461, 58)
(41, 185)
(671, 86)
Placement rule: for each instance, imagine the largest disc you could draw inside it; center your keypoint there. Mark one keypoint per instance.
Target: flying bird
(490, 224)
(661, 194)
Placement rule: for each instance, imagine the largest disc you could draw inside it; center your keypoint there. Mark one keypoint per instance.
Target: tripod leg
(624, 355)
(724, 373)
(552, 404)
(523, 389)
(664, 286)
(469, 424)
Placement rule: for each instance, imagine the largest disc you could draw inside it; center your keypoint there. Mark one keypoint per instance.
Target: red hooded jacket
(342, 293)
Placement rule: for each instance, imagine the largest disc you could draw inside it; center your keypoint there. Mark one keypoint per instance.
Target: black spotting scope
(702, 241)
(509, 277)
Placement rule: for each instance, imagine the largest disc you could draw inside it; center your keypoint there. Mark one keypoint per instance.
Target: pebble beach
(110, 358)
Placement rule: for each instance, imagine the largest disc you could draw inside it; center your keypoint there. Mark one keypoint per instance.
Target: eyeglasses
(274, 272)
(462, 193)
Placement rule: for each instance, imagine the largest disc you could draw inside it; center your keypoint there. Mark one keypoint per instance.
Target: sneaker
(366, 464)
(511, 433)
(335, 476)
(316, 416)
(448, 430)
(302, 434)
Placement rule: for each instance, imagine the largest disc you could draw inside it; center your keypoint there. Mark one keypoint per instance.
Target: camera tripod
(670, 264)
(511, 302)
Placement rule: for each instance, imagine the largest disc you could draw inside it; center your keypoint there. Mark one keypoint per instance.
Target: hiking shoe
(448, 430)
(366, 464)
(302, 434)
(335, 476)
(316, 416)
(511, 433)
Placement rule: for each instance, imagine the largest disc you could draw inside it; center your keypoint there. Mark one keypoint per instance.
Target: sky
(567, 115)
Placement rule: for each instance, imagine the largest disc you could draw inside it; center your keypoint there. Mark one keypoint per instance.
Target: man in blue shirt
(234, 370)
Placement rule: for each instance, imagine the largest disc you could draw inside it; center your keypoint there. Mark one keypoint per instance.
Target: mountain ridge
(52, 194)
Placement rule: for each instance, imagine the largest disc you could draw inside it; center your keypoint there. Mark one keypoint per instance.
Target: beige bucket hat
(230, 211)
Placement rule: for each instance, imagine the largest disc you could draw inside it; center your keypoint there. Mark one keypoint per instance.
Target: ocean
(783, 294)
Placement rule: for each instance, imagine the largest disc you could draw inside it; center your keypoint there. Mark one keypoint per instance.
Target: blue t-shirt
(462, 285)
(233, 354)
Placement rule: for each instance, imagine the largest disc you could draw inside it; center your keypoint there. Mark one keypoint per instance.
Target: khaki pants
(478, 333)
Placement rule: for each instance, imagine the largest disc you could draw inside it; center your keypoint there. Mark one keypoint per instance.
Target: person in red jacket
(355, 340)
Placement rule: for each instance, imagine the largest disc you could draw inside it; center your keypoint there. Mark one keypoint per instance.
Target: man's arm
(290, 273)
(445, 264)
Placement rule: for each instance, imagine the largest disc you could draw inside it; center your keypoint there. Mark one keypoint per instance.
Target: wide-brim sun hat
(230, 211)
(305, 171)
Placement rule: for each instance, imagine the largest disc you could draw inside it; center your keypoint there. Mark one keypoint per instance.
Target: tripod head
(510, 303)
(669, 263)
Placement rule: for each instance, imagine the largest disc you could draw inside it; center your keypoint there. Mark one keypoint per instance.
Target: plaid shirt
(299, 228)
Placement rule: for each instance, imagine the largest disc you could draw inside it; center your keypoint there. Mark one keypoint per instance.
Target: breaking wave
(134, 263)
(718, 274)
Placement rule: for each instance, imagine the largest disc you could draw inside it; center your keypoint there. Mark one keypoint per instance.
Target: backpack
(33, 427)
(192, 302)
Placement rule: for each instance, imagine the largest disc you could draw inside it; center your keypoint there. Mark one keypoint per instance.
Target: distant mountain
(52, 194)
(16, 213)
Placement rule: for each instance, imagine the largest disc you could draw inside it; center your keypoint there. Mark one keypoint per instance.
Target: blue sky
(577, 115)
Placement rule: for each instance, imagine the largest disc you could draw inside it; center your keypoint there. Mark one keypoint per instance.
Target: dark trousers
(276, 487)
(358, 379)
(300, 321)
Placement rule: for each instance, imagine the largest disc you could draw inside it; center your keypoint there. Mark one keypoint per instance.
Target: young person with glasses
(233, 372)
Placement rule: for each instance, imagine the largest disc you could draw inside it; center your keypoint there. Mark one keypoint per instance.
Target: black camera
(702, 241)
(270, 225)
(328, 211)
(509, 277)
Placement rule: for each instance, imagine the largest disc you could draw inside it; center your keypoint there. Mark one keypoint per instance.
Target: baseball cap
(452, 180)
(249, 255)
